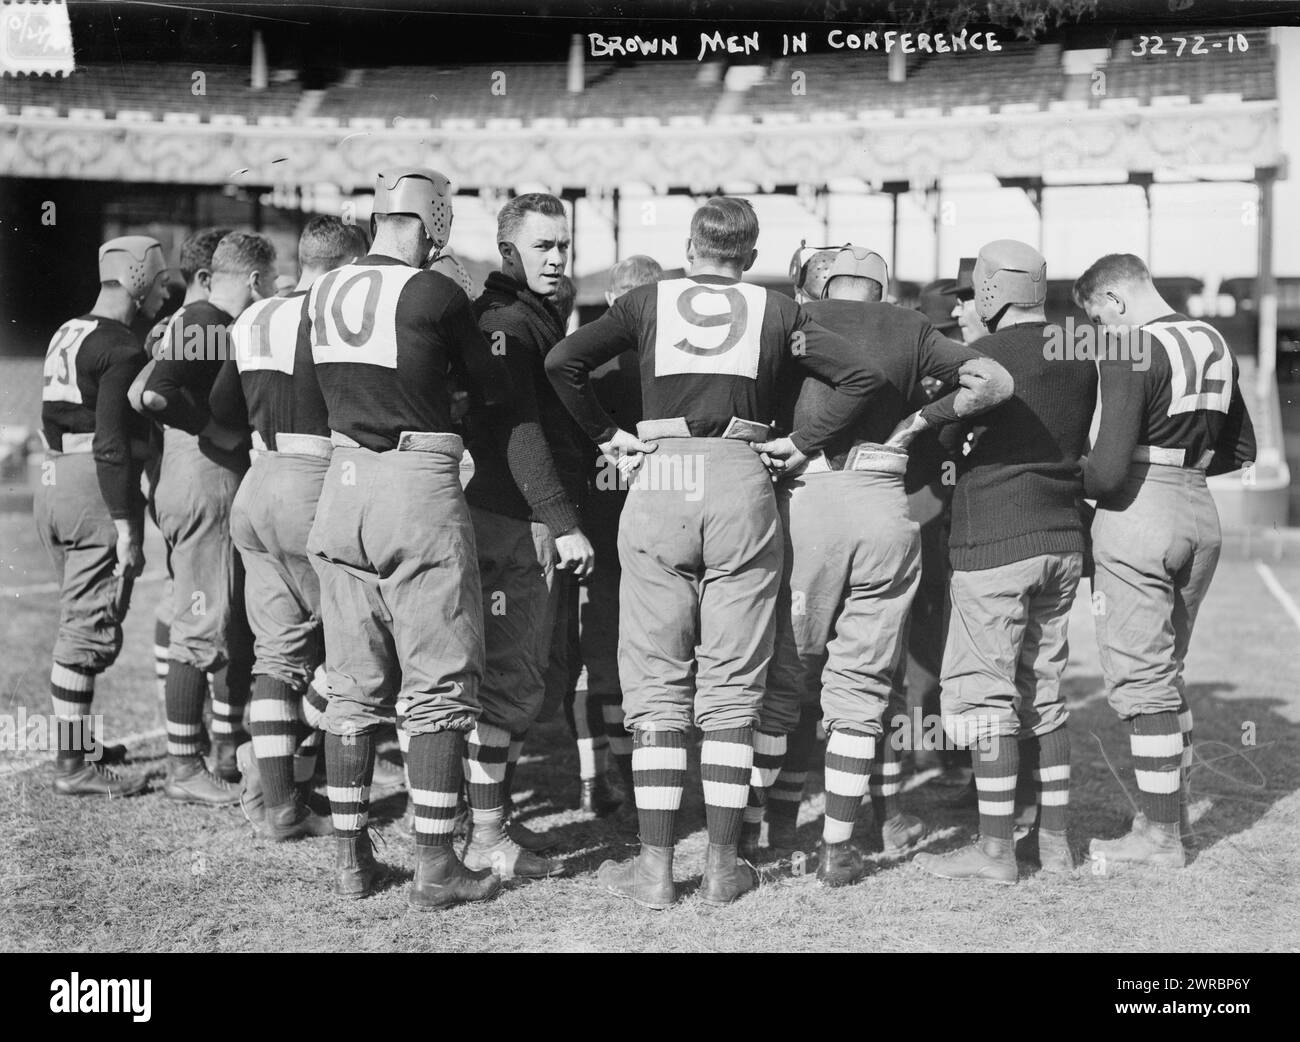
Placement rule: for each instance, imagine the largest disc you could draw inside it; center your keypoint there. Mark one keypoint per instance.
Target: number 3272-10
(1156, 45)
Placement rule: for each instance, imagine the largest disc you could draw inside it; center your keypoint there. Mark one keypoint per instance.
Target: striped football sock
(435, 774)
(1052, 776)
(659, 775)
(187, 688)
(487, 748)
(273, 720)
(587, 722)
(885, 783)
(620, 742)
(230, 692)
(786, 793)
(726, 765)
(349, 767)
(997, 763)
(315, 700)
(769, 752)
(1185, 726)
(162, 639)
(1157, 745)
(848, 765)
(72, 689)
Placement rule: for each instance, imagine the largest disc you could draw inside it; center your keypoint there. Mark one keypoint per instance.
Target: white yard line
(129, 740)
(1275, 588)
(53, 587)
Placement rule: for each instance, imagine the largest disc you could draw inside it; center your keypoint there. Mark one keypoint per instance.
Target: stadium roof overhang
(877, 147)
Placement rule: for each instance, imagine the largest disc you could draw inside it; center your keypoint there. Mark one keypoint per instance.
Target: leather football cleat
(1054, 853)
(646, 879)
(92, 779)
(441, 880)
(986, 860)
(190, 781)
(293, 820)
(597, 798)
(839, 864)
(1147, 843)
(106, 755)
(726, 877)
(356, 872)
(900, 834)
(490, 849)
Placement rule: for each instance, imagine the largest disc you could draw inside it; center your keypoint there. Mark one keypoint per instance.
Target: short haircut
(725, 229)
(325, 243)
(196, 251)
(634, 271)
(1114, 269)
(242, 252)
(865, 289)
(513, 213)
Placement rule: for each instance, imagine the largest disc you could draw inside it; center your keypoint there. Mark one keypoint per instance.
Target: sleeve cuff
(557, 514)
(804, 443)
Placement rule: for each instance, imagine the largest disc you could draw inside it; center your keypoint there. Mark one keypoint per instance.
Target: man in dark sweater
(203, 463)
(1017, 554)
(530, 470)
(1172, 412)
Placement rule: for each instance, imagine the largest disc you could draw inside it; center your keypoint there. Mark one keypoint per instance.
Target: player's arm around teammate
(88, 508)
(1017, 553)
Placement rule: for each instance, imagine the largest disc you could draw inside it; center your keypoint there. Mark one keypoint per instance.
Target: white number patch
(702, 328)
(61, 361)
(265, 336)
(1201, 365)
(354, 314)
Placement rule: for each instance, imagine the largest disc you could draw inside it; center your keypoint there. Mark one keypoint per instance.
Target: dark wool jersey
(1019, 493)
(1187, 398)
(711, 348)
(270, 384)
(531, 463)
(89, 367)
(905, 346)
(189, 358)
(386, 340)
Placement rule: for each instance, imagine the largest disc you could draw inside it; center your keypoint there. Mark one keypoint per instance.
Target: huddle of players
(773, 591)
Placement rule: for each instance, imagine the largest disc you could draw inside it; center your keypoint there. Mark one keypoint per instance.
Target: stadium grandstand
(268, 128)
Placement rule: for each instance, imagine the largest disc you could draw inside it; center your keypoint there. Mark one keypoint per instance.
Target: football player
(1171, 413)
(270, 385)
(847, 589)
(1016, 548)
(392, 542)
(203, 462)
(699, 538)
(88, 507)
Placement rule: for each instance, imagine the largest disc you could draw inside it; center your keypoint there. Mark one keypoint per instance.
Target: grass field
(147, 875)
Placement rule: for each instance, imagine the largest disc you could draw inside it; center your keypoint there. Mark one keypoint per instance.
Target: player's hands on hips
(626, 451)
(780, 455)
(576, 553)
(984, 384)
(906, 431)
(130, 550)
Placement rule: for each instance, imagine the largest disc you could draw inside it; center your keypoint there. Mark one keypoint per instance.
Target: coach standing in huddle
(1017, 548)
(702, 557)
(530, 470)
(203, 463)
